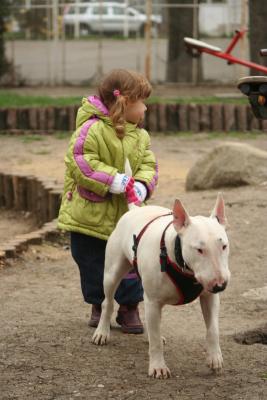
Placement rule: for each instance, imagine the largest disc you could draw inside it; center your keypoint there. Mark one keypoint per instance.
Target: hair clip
(116, 92)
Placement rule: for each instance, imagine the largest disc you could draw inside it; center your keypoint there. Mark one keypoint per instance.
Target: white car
(107, 17)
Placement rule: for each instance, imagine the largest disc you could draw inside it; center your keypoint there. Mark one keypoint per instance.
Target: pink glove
(120, 183)
(131, 196)
(136, 194)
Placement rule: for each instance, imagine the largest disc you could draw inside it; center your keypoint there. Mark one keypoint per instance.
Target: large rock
(229, 164)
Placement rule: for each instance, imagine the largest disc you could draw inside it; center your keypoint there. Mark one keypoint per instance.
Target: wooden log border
(159, 118)
(41, 198)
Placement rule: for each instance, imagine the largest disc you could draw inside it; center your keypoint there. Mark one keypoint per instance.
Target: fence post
(55, 40)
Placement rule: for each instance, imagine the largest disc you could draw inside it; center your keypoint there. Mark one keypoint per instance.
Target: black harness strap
(185, 282)
(163, 250)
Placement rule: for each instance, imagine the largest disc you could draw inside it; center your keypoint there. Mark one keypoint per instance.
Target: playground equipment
(255, 87)
(196, 47)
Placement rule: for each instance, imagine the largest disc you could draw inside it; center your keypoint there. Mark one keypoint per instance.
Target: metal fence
(45, 49)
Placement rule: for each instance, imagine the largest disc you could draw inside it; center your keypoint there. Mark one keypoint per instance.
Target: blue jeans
(89, 254)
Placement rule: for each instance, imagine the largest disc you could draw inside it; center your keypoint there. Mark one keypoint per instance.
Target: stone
(228, 165)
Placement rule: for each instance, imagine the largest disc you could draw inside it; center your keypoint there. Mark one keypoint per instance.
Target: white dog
(166, 247)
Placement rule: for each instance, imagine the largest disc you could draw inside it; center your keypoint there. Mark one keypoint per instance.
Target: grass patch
(194, 136)
(234, 135)
(40, 152)
(197, 100)
(62, 135)
(32, 138)
(12, 99)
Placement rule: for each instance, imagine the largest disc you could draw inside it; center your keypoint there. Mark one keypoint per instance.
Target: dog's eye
(200, 251)
(224, 246)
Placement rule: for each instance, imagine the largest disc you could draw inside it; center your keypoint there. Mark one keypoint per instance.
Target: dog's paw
(215, 361)
(100, 338)
(159, 372)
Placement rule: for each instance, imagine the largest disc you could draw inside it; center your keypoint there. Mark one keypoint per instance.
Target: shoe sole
(93, 324)
(134, 330)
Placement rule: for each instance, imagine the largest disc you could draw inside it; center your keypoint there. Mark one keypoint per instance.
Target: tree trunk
(4, 11)
(257, 32)
(180, 62)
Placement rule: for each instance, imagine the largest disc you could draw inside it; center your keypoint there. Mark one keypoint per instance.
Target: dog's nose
(219, 288)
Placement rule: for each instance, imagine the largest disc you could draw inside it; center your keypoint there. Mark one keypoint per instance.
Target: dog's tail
(129, 172)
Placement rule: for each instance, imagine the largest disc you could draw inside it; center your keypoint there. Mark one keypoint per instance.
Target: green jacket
(94, 156)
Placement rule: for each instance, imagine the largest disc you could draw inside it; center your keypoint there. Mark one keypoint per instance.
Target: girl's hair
(129, 86)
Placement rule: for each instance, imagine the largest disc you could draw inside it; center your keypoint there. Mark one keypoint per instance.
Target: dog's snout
(219, 288)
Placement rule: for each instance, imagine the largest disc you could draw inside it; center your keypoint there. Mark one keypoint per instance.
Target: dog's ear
(181, 218)
(219, 210)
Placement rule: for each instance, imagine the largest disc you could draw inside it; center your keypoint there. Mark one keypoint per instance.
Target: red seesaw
(197, 47)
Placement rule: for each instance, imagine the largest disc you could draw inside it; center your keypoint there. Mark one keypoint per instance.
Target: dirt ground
(45, 343)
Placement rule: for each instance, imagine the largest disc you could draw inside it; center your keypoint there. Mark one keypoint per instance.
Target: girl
(94, 197)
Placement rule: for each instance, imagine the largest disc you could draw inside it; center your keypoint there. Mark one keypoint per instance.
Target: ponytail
(117, 115)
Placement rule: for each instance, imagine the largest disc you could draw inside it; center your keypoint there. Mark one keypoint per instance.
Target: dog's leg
(114, 272)
(210, 305)
(157, 365)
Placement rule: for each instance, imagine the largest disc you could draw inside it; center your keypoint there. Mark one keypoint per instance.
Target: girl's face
(135, 112)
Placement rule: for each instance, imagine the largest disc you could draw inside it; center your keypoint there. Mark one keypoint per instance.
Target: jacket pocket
(91, 196)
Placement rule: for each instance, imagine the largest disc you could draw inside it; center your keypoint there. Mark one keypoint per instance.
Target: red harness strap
(136, 240)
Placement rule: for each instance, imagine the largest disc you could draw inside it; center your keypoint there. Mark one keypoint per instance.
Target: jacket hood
(92, 106)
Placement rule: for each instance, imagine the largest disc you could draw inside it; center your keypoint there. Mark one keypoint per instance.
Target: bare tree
(257, 31)
(180, 23)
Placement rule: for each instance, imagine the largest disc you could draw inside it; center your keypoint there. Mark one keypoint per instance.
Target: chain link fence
(53, 42)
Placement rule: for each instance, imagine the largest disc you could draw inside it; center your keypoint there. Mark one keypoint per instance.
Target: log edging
(159, 118)
(37, 196)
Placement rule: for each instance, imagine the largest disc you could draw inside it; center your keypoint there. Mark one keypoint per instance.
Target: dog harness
(179, 273)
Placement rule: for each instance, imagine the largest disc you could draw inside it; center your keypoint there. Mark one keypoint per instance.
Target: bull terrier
(178, 258)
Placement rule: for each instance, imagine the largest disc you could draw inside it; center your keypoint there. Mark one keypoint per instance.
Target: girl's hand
(137, 194)
(140, 191)
(121, 183)
(131, 197)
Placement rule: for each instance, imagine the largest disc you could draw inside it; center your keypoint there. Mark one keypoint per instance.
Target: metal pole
(63, 42)
(195, 35)
(76, 23)
(48, 38)
(99, 72)
(148, 39)
(244, 41)
(55, 40)
(138, 50)
(28, 7)
(126, 20)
